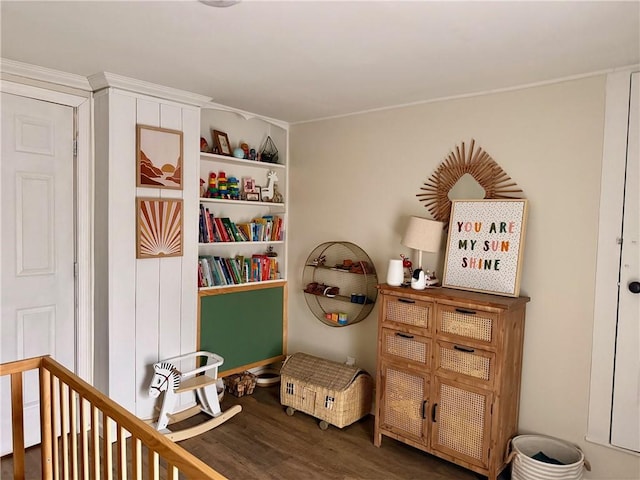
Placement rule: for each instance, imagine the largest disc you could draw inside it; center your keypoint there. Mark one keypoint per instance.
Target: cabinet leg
(377, 439)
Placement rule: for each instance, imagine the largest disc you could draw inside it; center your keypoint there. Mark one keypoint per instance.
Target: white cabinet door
(37, 253)
(625, 419)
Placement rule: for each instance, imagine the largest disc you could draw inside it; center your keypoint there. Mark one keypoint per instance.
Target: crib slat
(154, 465)
(172, 472)
(122, 454)
(107, 452)
(73, 415)
(64, 422)
(45, 423)
(95, 442)
(136, 458)
(17, 422)
(55, 424)
(84, 443)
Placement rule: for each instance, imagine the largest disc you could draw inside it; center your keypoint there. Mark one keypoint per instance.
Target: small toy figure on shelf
(270, 252)
(406, 264)
(266, 193)
(233, 188)
(203, 188)
(318, 262)
(245, 148)
(277, 196)
(222, 185)
(204, 146)
(212, 191)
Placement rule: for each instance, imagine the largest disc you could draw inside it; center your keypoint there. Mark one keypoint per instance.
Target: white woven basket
(524, 467)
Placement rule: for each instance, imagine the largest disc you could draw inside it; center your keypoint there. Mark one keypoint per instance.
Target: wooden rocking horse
(168, 379)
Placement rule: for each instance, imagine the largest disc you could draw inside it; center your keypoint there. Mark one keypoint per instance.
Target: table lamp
(425, 235)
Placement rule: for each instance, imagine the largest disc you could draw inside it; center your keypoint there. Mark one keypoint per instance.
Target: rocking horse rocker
(168, 379)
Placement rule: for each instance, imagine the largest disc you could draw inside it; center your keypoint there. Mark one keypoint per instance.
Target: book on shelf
(222, 231)
(225, 272)
(216, 271)
(218, 278)
(209, 225)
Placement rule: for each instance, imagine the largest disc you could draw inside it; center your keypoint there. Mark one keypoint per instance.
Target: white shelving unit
(242, 127)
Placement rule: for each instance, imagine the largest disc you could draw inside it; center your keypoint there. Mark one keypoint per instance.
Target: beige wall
(356, 179)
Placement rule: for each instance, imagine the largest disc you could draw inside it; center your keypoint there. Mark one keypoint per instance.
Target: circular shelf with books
(339, 282)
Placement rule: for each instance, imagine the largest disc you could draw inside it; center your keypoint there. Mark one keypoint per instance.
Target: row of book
(215, 271)
(268, 228)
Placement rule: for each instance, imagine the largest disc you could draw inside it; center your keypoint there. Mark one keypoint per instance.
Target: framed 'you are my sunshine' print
(485, 246)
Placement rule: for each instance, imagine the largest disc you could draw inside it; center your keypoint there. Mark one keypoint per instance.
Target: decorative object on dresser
(423, 234)
(351, 277)
(485, 246)
(158, 157)
(449, 365)
(475, 163)
(159, 228)
(333, 392)
(395, 272)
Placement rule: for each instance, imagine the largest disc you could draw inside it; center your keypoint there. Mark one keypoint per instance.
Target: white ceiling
(304, 60)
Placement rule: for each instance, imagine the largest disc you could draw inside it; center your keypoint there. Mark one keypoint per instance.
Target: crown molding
(43, 74)
(103, 80)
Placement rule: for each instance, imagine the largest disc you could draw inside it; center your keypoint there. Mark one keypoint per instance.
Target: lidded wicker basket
(336, 393)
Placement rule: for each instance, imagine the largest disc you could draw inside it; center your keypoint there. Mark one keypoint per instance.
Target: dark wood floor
(263, 442)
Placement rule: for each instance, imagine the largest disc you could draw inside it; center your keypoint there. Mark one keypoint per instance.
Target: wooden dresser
(448, 373)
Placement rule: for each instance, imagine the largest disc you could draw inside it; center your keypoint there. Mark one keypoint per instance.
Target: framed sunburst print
(158, 157)
(159, 229)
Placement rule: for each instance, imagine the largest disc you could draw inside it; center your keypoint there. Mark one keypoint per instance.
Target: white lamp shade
(423, 234)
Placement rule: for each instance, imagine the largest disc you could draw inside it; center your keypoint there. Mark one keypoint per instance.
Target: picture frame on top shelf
(221, 141)
(253, 196)
(158, 227)
(159, 154)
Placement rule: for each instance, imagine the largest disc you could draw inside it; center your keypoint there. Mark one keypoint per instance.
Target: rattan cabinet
(448, 379)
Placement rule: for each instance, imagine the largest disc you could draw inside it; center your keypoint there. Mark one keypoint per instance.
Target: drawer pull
(406, 300)
(403, 335)
(463, 349)
(466, 312)
(424, 409)
(433, 412)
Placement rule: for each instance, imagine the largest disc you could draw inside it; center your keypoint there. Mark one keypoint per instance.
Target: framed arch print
(158, 157)
(485, 246)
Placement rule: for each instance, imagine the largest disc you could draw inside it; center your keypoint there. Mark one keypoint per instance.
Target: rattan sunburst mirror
(460, 164)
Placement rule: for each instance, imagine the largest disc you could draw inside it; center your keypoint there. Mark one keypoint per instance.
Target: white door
(38, 248)
(625, 419)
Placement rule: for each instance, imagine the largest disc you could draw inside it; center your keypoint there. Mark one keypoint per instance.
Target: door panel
(625, 417)
(38, 251)
(461, 417)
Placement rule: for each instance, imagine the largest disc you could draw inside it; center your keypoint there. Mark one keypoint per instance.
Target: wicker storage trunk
(330, 391)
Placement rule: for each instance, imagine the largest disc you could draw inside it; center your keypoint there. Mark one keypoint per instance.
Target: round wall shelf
(339, 282)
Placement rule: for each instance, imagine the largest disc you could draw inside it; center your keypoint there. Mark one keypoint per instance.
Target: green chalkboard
(244, 327)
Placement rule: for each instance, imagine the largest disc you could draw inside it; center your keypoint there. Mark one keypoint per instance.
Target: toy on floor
(168, 379)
